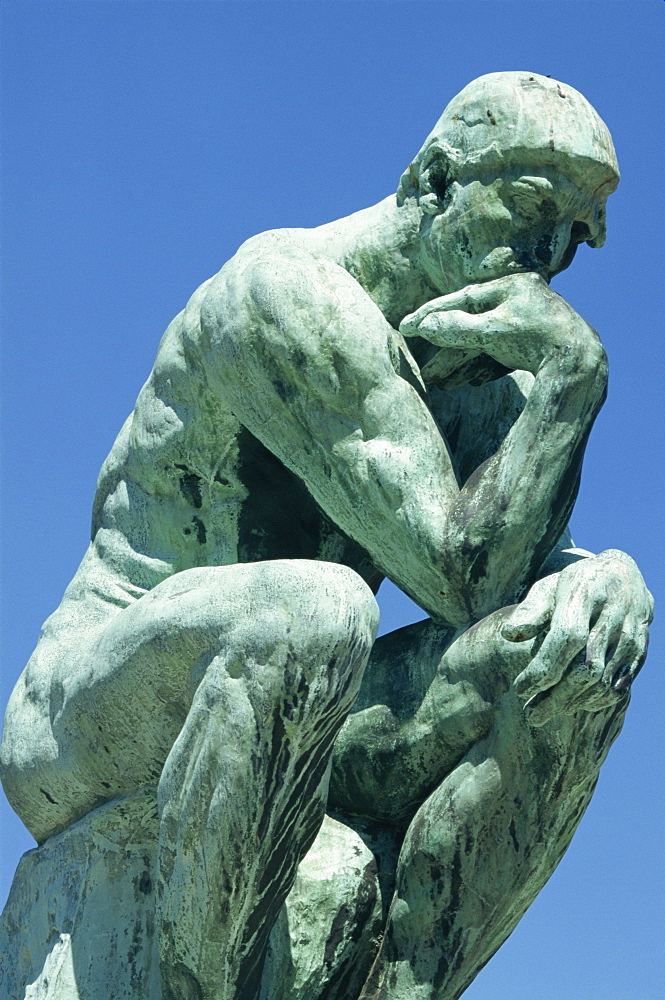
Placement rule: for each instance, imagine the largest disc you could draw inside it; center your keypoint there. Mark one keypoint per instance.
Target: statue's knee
(317, 605)
(285, 626)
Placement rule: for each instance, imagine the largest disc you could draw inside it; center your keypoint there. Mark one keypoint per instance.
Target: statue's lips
(501, 262)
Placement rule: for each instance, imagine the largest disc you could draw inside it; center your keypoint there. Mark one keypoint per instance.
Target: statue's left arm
(591, 612)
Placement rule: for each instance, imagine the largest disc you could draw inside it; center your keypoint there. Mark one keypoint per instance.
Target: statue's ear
(434, 179)
(426, 178)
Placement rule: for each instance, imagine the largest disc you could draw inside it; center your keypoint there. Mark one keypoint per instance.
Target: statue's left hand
(593, 618)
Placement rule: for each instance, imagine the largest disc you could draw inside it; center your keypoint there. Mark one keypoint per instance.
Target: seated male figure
(398, 394)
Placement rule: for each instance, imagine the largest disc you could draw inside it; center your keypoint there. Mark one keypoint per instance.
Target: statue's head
(515, 174)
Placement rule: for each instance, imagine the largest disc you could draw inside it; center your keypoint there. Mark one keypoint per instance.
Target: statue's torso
(187, 485)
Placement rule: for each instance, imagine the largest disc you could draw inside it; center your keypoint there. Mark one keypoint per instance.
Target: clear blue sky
(144, 141)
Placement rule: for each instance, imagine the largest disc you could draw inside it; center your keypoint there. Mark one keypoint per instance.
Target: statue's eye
(438, 181)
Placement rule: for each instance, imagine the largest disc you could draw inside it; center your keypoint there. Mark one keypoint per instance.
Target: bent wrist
(581, 361)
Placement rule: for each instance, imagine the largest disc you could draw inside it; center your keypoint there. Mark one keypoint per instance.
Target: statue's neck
(379, 247)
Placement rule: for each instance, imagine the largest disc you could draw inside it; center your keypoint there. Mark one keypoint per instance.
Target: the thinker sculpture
(401, 394)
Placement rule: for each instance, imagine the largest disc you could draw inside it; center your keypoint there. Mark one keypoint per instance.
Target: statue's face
(493, 224)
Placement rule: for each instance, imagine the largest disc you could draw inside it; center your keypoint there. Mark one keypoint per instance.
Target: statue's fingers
(410, 324)
(606, 641)
(475, 298)
(558, 699)
(567, 636)
(627, 660)
(532, 615)
(453, 329)
(620, 655)
(604, 634)
(550, 663)
(471, 299)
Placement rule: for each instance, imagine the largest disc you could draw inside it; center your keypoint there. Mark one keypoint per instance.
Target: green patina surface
(239, 793)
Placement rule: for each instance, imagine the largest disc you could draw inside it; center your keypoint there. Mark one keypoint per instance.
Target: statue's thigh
(429, 694)
(118, 714)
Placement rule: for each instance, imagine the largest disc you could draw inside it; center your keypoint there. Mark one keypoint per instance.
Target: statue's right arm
(309, 364)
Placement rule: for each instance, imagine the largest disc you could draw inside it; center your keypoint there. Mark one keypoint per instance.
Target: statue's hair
(520, 118)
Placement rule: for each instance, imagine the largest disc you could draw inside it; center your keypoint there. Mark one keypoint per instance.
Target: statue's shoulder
(276, 298)
(259, 257)
(263, 268)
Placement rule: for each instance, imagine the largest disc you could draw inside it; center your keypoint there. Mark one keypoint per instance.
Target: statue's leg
(419, 710)
(224, 687)
(484, 842)
(242, 792)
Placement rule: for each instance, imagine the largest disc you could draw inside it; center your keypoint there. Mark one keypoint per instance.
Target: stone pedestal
(79, 922)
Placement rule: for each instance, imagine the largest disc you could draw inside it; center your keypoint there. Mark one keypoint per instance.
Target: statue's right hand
(518, 320)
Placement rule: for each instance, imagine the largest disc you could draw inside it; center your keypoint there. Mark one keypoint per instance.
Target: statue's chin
(502, 262)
